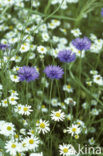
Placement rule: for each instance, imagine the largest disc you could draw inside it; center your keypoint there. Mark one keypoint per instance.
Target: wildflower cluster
(51, 77)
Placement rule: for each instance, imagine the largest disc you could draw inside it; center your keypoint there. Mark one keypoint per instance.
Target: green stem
(50, 97)
(80, 71)
(47, 7)
(65, 75)
(27, 92)
(58, 90)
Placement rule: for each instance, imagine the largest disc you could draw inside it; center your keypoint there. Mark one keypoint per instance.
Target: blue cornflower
(4, 46)
(66, 56)
(102, 12)
(27, 73)
(82, 43)
(54, 72)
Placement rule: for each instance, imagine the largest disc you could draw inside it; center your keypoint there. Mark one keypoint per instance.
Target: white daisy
(14, 78)
(68, 88)
(70, 101)
(23, 110)
(32, 143)
(12, 100)
(57, 115)
(41, 49)
(91, 141)
(43, 126)
(7, 129)
(98, 79)
(45, 36)
(74, 129)
(4, 103)
(67, 150)
(12, 147)
(76, 32)
(24, 47)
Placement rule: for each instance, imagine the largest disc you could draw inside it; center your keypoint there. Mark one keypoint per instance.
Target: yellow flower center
(51, 24)
(17, 57)
(43, 106)
(16, 136)
(13, 91)
(68, 86)
(31, 46)
(13, 146)
(28, 29)
(68, 118)
(23, 48)
(42, 125)
(65, 150)
(24, 44)
(17, 68)
(15, 77)
(5, 102)
(76, 136)
(12, 99)
(19, 108)
(28, 37)
(11, 27)
(62, 103)
(32, 131)
(9, 128)
(57, 114)
(31, 141)
(42, 49)
(78, 123)
(55, 21)
(74, 129)
(98, 78)
(25, 109)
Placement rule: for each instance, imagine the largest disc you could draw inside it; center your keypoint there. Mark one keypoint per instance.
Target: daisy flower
(12, 100)
(98, 79)
(76, 32)
(67, 150)
(12, 147)
(57, 115)
(24, 47)
(14, 78)
(91, 141)
(41, 49)
(43, 126)
(32, 143)
(7, 129)
(23, 110)
(4, 103)
(68, 88)
(74, 129)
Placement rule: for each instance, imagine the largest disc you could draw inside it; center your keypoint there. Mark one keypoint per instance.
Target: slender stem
(27, 92)
(80, 71)
(65, 75)
(50, 140)
(50, 97)
(58, 90)
(47, 7)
